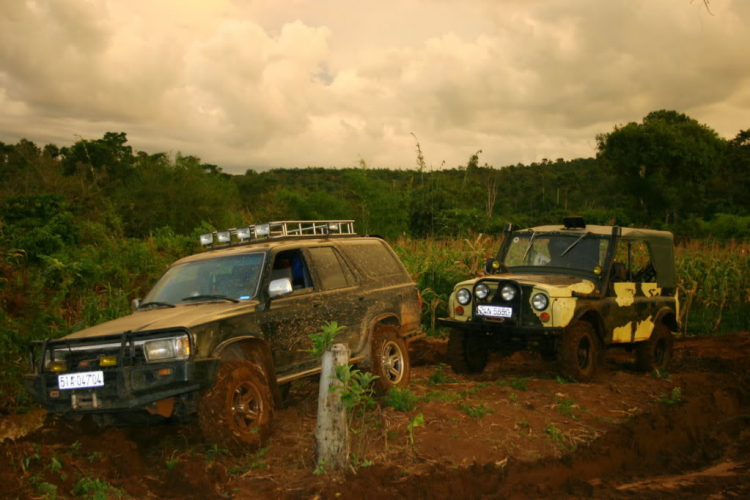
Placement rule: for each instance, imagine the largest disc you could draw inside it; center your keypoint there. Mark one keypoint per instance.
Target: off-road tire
(656, 352)
(466, 352)
(390, 359)
(579, 352)
(239, 386)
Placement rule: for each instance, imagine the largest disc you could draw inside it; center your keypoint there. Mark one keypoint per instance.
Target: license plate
(495, 311)
(80, 380)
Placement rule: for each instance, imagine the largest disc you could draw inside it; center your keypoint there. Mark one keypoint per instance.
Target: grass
(475, 411)
(401, 399)
(674, 398)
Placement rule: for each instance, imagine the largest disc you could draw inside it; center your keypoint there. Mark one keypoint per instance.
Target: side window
(290, 264)
(331, 270)
(374, 258)
(641, 265)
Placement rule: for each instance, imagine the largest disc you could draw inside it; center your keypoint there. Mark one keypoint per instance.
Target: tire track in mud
(709, 427)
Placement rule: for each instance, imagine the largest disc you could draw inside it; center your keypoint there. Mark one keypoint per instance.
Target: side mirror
(488, 266)
(279, 287)
(134, 304)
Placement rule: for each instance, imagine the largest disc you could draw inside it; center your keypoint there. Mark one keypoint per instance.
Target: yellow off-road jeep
(569, 292)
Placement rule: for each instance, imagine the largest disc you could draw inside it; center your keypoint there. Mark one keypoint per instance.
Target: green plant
(477, 411)
(440, 396)
(48, 490)
(75, 446)
(401, 399)
(662, 374)
(513, 396)
(172, 462)
(324, 339)
(519, 384)
(674, 398)
(439, 376)
(30, 459)
(96, 489)
(566, 407)
(562, 380)
(215, 452)
(356, 389)
(417, 421)
(54, 465)
(320, 469)
(562, 442)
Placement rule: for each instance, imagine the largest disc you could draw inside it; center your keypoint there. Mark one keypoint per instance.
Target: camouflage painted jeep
(569, 292)
(223, 333)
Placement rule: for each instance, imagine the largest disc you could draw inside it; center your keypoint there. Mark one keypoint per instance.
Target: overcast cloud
(248, 83)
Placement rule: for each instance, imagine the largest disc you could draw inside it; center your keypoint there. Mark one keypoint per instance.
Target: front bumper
(125, 388)
(508, 338)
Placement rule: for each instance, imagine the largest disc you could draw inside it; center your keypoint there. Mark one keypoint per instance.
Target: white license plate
(495, 311)
(80, 380)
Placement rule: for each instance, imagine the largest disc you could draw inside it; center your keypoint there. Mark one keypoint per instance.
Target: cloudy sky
(268, 83)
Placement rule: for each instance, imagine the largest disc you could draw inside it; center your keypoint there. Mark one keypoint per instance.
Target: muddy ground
(515, 431)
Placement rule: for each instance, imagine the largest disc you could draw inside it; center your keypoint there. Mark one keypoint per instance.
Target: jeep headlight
(508, 293)
(482, 291)
(540, 301)
(167, 349)
(463, 296)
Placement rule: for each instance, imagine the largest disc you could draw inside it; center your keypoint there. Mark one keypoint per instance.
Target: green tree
(663, 163)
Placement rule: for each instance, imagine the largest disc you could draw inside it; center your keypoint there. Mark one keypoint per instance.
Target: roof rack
(279, 229)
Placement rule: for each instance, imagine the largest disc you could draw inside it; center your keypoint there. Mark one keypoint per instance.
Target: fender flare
(593, 316)
(253, 349)
(668, 317)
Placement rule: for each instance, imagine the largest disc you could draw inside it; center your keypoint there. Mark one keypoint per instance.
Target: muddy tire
(656, 352)
(467, 353)
(236, 412)
(390, 359)
(579, 352)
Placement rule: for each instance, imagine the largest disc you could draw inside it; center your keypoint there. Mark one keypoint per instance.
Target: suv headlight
(482, 291)
(167, 349)
(463, 296)
(508, 293)
(540, 301)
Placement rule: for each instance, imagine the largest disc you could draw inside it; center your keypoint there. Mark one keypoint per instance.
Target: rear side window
(375, 259)
(332, 272)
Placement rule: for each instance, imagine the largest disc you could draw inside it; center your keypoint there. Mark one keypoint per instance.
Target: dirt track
(516, 431)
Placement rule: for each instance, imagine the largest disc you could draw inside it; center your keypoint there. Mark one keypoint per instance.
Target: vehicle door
(337, 289)
(634, 291)
(290, 318)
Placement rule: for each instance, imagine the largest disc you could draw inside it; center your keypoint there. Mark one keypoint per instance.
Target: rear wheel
(390, 359)
(579, 351)
(467, 353)
(656, 352)
(236, 412)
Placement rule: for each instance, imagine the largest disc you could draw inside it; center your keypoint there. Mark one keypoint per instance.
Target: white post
(331, 433)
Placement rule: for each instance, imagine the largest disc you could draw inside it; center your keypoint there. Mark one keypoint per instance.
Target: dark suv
(223, 333)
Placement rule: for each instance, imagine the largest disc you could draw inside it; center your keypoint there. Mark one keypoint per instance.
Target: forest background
(86, 228)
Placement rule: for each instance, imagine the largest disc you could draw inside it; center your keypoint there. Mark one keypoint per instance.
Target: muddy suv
(570, 292)
(223, 333)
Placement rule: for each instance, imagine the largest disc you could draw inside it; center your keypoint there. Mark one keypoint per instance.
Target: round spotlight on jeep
(463, 296)
(508, 293)
(482, 291)
(540, 301)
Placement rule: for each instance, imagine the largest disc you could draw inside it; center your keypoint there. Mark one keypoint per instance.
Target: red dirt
(531, 436)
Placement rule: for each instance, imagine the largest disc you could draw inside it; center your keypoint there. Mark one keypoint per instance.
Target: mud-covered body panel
(273, 332)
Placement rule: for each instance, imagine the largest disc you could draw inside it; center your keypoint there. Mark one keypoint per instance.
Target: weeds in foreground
(401, 399)
(325, 339)
(439, 376)
(477, 411)
(672, 399)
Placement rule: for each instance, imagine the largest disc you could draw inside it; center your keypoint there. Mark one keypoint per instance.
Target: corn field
(714, 279)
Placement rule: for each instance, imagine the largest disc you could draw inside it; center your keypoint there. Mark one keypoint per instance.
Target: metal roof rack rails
(279, 229)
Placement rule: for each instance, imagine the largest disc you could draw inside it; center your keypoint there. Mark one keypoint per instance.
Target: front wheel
(390, 359)
(236, 412)
(467, 353)
(656, 352)
(579, 351)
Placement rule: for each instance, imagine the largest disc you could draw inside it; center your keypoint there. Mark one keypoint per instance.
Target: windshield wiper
(210, 297)
(574, 244)
(156, 303)
(531, 242)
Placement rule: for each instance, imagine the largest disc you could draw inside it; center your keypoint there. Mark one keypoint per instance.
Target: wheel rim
(247, 407)
(393, 362)
(584, 353)
(660, 350)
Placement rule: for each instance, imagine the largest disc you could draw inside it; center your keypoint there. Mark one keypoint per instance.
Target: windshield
(554, 251)
(234, 277)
